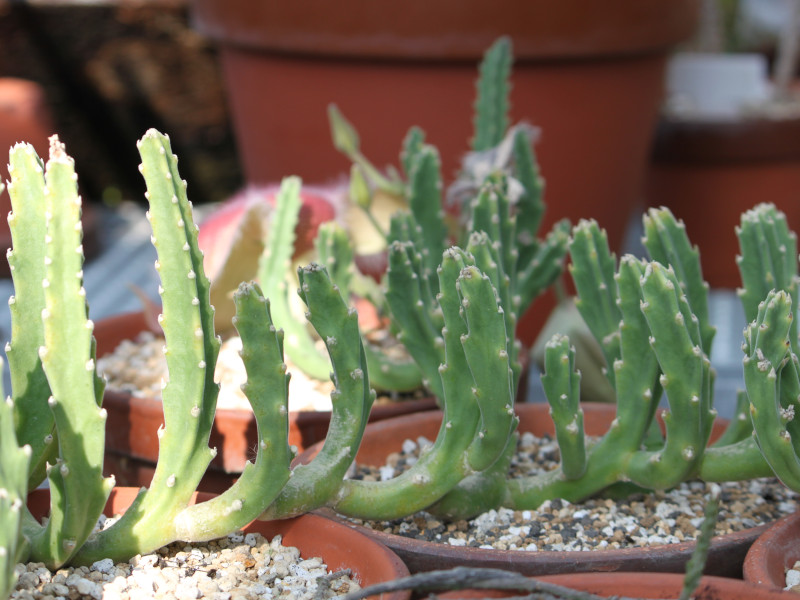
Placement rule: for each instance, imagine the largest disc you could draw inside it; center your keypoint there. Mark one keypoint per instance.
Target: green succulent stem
(274, 275)
(592, 268)
(697, 562)
(685, 379)
(78, 488)
(443, 465)
(13, 491)
(491, 104)
(35, 425)
(530, 206)
(189, 396)
(267, 389)
(734, 462)
(313, 484)
(336, 254)
(346, 140)
(562, 384)
(768, 260)
(418, 329)
(666, 242)
(767, 355)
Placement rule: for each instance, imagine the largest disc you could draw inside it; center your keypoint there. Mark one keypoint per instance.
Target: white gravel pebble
(792, 578)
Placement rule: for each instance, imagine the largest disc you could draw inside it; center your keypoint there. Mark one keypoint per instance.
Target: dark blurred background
(111, 70)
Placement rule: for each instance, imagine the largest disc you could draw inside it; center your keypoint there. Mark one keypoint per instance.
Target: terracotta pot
(643, 585)
(391, 67)
(25, 116)
(776, 550)
(710, 172)
(132, 443)
(339, 547)
(725, 557)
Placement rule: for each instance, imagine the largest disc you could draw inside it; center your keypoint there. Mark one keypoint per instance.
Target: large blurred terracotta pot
(709, 172)
(590, 74)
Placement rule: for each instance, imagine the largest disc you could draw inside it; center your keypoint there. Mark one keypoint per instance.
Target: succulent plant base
(651, 531)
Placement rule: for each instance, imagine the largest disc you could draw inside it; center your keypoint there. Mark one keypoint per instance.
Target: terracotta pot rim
(448, 30)
(749, 140)
(649, 585)
(774, 550)
(152, 406)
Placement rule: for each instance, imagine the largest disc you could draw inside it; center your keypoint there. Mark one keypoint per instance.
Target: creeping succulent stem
(313, 484)
(651, 321)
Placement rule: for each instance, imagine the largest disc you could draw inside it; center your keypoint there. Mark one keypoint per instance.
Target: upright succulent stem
(274, 275)
(77, 488)
(491, 104)
(35, 425)
(768, 260)
(189, 396)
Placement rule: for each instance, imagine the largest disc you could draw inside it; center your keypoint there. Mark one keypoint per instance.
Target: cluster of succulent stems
(531, 264)
(454, 308)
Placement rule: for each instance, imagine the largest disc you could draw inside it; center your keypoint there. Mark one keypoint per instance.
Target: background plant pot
(389, 67)
(340, 547)
(25, 116)
(709, 172)
(643, 585)
(132, 425)
(775, 550)
(380, 439)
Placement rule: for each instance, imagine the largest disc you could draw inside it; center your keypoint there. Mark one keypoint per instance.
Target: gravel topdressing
(642, 519)
(238, 567)
(138, 367)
